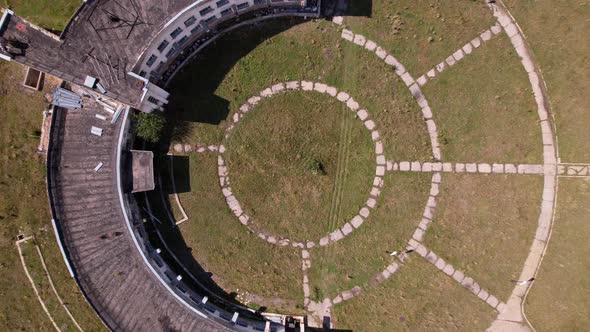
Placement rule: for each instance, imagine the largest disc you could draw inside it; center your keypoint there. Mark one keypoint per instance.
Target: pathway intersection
(510, 311)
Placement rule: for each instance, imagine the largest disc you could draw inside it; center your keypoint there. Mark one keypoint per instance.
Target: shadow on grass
(193, 91)
(332, 8)
(193, 99)
(182, 177)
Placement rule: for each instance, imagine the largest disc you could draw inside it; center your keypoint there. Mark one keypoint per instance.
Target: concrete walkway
(510, 314)
(513, 317)
(450, 167)
(457, 275)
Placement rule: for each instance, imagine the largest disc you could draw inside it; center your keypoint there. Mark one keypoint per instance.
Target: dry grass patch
(423, 33)
(35, 268)
(484, 225)
(559, 299)
(357, 258)
(484, 108)
(417, 297)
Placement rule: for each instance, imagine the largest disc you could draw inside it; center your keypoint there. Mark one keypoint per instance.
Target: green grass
(554, 32)
(270, 156)
(310, 51)
(23, 208)
(484, 226)
(417, 297)
(484, 108)
(357, 258)
(403, 28)
(49, 14)
(35, 268)
(237, 258)
(558, 300)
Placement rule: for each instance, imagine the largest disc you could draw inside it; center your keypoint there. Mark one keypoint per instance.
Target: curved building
(117, 56)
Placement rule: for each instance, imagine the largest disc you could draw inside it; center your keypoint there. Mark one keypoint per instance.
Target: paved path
(481, 168)
(459, 54)
(573, 170)
(510, 315)
(197, 147)
(457, 275)
(513, 316)
(33, 285)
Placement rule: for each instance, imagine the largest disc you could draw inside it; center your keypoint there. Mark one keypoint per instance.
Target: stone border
(399, 69)
(513, 315)
(197, 147)
(408, 80)
(33, 285)
(360, 113)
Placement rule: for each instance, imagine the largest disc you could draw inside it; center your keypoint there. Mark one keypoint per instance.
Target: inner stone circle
(321, 178)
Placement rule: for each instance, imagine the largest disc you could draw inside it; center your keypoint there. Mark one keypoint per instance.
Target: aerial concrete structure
(116, 56)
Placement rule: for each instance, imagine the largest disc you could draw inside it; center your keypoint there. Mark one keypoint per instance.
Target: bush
(316, 167)
(149, 126)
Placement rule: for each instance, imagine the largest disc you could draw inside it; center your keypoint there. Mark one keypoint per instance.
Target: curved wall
(100, 229)
(201, 21)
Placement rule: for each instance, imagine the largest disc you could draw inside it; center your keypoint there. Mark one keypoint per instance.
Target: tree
(149, 126)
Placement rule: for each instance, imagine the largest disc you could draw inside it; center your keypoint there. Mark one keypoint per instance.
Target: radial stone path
(510, 314)
(510, 311)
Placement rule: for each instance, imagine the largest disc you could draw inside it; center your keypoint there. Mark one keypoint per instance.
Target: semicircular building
(115, 56)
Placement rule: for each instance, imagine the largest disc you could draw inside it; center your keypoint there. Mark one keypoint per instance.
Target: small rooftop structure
(90, 82)
(33, 79)
(142, 169)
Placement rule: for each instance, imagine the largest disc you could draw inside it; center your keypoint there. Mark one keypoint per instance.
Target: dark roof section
(44, 51)
(122, 25)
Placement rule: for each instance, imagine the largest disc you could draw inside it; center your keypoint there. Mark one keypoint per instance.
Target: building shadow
(193, 95)
(331, 8)
(193, 99)
(181, 181)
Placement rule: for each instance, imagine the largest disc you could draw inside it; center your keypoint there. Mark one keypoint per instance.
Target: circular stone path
(364, 211)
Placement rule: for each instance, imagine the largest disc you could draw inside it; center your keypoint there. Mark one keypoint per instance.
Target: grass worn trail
(348, 78)
(344, 142)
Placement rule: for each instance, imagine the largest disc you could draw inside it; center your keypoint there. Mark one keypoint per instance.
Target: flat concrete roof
(142, 169)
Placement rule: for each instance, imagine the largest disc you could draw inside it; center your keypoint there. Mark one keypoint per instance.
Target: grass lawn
(273, 155)
(499, 123)
(357, 258)
(416, 298)
(24, 208)
(405, 28)
(270, 53)
(49, 14)
(239, 260)
(554, 32)
(484, 226)
(35, 268)
(560, 298)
